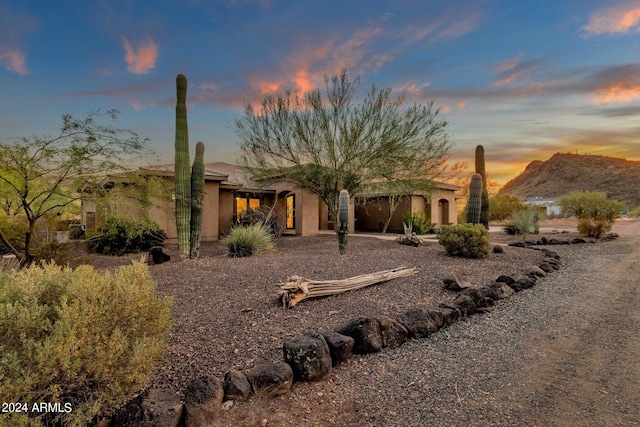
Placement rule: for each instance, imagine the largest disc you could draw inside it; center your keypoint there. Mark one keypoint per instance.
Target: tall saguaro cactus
(480, 169)
(474, 204)
(182, 169)
(197, 195)
(343, 220)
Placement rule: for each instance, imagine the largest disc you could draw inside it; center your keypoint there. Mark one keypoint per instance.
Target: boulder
(157, 256)
(340, 346)
(202, 401)
(478, 297)
(437, 314)
(498, 249)
(578, 240)
(535, 271)
(546, 267)
(465, 304)
(502, 290)
(519, 244)
(454, 283)
(489, 292)
(418, 322)
(505, 279)
(236, 386)
(271, 379)
(308, 356)
(450, 313)
(393, 333)
(522, 281)
(154, 408)
(366, 334)
(410, 241)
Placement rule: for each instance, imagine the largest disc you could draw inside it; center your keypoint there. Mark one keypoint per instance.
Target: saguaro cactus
(197, 194)
(182, 169)
(484, 210)
(474, 204)
(343, 220)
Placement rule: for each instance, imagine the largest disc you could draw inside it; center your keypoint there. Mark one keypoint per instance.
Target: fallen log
(297, 288)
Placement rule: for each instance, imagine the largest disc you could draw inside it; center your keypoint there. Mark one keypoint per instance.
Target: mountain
(563, 172)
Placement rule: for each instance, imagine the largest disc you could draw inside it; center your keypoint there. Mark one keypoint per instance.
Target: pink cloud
(14, 60)
(144, 59)
(619, 19)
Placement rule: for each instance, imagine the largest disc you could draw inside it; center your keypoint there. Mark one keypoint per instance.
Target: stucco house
(229, 191)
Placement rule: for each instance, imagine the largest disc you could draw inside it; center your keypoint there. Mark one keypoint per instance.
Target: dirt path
(588, 367)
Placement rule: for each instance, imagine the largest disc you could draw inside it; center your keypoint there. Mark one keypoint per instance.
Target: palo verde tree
(47, 174)
(330, 140)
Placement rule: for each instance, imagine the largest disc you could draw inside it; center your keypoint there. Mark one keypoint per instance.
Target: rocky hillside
(562, 173)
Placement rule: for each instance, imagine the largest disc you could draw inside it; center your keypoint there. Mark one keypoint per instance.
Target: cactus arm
(182, 169)
(480, 169)
(197, 195)
(343, 220)
(474, 204)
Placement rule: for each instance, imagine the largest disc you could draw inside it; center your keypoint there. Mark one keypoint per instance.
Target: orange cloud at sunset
(617, 93)
(13, 60)
(144, 59)
(618, 19)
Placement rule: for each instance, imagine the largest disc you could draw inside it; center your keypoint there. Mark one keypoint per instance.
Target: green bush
(467, 240)
(119, 236)
(419, 222)
(245, 241)
(593, 227)
(503, 206)
(83, 339)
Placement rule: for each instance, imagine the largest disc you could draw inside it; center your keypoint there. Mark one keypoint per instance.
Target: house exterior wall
(226, 212)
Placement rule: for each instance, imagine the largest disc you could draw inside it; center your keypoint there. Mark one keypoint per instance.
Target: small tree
(47, 174)
(333, 142)
(503, 206)
(595, 212)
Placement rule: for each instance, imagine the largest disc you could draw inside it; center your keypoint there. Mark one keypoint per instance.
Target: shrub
(83, 339)
(419, 222)
(119, 236)
(521, 222)
(593, 227)
(467, 240)
(245, 241)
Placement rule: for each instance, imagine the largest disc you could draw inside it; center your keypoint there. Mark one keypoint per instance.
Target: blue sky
(524, 78)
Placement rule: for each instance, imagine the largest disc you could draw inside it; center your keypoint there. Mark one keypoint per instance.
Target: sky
(526, 79)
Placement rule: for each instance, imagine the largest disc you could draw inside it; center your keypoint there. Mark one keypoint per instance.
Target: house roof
(169, 170)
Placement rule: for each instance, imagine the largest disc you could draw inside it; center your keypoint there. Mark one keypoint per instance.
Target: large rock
(535, 271)
(236, 386)
(418, 322)
(366, 334)
(455, 283)
(272, 379)
(502, 290)
(157, 256)
(478, 297)
(450, 313)
(393, 333)
(340, 346)
(308, 356)
(202, 401)
(154, 408)
(465, 304)
(437, 314)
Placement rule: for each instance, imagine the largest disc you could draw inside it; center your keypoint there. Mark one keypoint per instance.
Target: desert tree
(46, 174)
(328, 140)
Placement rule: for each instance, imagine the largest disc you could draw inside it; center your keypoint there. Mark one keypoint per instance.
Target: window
(244, 203)
(290, 223)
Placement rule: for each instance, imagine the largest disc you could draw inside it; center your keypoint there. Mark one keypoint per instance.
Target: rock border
(314, 355)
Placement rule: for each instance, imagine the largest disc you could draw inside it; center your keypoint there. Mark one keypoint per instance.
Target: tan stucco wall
(226, 212)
